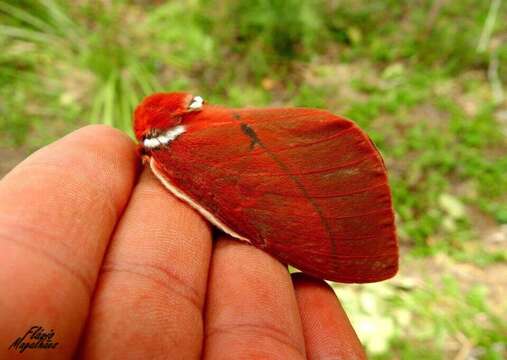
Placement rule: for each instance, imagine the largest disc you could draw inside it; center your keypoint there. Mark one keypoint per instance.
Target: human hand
(119, 268)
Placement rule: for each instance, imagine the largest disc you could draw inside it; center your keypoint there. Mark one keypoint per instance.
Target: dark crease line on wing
(237, 117)
(249, 132)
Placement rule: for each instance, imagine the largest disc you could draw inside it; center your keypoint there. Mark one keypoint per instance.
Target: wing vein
(333, 195)
(342, 217)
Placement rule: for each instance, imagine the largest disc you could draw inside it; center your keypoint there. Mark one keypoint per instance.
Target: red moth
(306, 186)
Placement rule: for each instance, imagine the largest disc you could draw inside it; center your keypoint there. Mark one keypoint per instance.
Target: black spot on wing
(248, 131)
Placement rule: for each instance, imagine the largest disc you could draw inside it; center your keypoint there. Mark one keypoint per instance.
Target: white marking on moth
(165, 138)
(151, 143)
(174, 132)
(182, 196)
(162, 139)
(196, 103)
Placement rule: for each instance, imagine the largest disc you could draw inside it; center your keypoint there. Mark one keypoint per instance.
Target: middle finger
(251, 308)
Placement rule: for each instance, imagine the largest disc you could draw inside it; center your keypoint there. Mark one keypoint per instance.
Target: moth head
(162, 111)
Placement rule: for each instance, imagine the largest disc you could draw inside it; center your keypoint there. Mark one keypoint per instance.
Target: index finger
(154, 276)
(58, 210)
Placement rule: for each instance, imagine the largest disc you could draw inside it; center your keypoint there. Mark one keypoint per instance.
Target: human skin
(96, 249)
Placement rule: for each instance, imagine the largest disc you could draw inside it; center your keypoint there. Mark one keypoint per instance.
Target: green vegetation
(412, 74)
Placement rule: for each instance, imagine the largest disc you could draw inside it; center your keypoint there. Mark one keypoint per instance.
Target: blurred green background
(426, 79)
